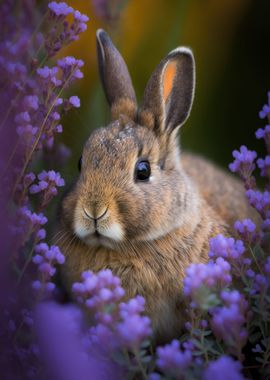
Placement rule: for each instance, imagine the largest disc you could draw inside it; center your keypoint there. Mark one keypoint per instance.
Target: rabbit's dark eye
(80, 163)
(142, 170)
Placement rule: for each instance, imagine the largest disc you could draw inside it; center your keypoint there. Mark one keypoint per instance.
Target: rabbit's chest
(159, 283)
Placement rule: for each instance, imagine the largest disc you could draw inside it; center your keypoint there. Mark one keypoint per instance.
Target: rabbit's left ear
(169, 92)
(115, 77)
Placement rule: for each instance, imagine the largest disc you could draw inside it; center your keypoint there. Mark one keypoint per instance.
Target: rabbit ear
(114, 74)
(169, 93)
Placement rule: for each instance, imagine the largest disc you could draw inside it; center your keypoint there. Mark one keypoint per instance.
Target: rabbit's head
(131, 186)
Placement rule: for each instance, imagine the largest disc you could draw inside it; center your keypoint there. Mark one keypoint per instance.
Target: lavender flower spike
(172, 359)
(244, 162)
(224, 368)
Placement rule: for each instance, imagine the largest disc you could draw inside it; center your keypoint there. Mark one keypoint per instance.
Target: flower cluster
(224, 368)
(228, 248)
(47, 185)
(46, 258)
(101, 293)
(61, 32)
(214, 274)
(172, 360)
(244, 162)
(33, 101)
(228, 321)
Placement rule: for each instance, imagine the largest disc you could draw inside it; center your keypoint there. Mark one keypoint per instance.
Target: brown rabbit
(138, 207)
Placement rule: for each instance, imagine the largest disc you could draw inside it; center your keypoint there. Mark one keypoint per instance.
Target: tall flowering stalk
(33, 84)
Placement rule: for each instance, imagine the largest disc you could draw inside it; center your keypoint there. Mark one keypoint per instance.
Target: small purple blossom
(246, 229)
(210, 275)
(62, 31)
(46, 258)
(224, 368)
(171, 359)
(228, 248)
(259, 200)
(60, 9)
(48, 184)
(133, 330)
(264, 165)
(244, 162)
(75, 101)
(228, 321)
(98, 289)
(263, 133)
(267, 266)
(265, 111)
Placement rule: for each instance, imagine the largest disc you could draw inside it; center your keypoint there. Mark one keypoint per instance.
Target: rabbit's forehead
(117, 141)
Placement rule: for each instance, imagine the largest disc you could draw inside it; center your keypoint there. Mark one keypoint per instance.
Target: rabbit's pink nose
(97, 215)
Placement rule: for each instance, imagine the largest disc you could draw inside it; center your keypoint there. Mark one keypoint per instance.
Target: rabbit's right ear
(115, 78)
(168, 96)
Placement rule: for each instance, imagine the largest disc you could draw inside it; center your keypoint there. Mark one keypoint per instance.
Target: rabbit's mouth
(97, 228)
(97, 239)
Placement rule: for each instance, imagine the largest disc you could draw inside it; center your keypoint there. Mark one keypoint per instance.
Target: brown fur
(151, 230)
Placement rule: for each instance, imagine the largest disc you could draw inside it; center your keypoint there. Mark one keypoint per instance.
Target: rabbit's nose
(96, 215)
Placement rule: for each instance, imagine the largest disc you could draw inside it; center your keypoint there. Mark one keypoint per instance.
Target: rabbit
(139, 206)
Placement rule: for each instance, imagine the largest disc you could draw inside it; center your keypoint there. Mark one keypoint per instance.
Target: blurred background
(231, 44)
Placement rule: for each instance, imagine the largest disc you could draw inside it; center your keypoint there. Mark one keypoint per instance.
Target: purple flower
(266, 109)
(259, 200)
(263, 133)
(133, 330)
(244, 162)
(98, 289)
(28, 179)
(246, 229)
(224, 368)
(61, 338)
(132, 307)
(264, 165)
(46, 258)
(31, 102)
(63, 31)
(228, 321)
(70, 68)
(80, 17)
(75, 101)
(257, 348)
(267, 266)
(48, 183)
(172, 360)
(60, 9)
(209, 275)
(228, 248)
(244, 226)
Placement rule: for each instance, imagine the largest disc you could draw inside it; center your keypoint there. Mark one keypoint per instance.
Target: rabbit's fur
(148, 231)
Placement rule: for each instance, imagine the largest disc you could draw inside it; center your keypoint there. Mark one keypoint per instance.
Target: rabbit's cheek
(82, 229)
(113, 231)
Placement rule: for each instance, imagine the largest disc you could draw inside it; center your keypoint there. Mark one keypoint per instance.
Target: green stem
(137, 356)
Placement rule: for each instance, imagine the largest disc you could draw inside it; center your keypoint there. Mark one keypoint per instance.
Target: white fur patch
(114, 232)
(80, 230)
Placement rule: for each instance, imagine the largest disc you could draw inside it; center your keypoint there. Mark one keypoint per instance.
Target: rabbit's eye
(142, 170)
(80, 163)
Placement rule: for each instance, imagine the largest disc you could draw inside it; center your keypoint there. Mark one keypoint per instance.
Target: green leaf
(146, 359)
(146, 343)
(119, 357)
(258, 252)
(253, 338)
(259, 359)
